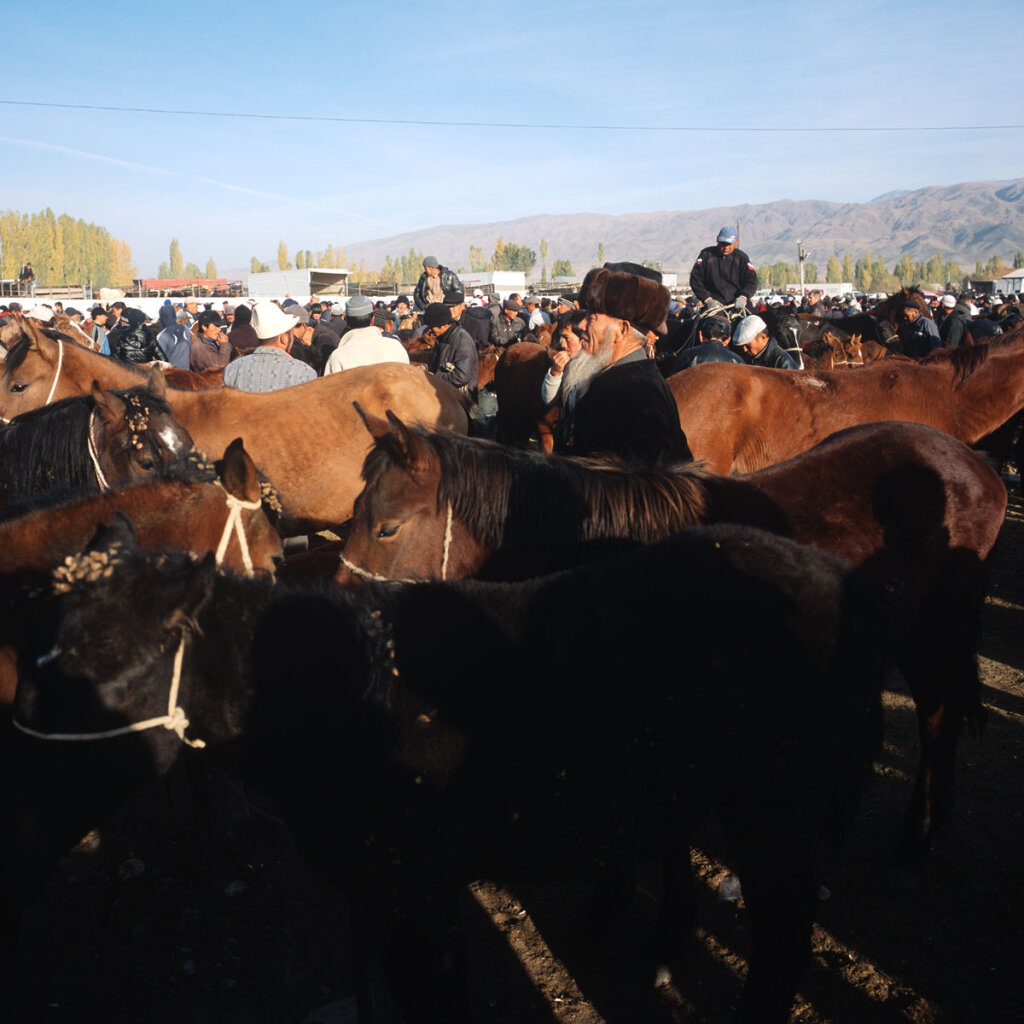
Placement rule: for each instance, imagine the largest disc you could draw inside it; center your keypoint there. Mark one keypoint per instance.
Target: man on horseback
(918, 332)
(724, 273)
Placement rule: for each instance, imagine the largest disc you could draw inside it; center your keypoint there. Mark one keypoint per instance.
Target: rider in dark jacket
(448, 280)
(724, 272)
(132, 341)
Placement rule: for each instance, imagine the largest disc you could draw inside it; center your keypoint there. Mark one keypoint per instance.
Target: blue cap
(727, 235)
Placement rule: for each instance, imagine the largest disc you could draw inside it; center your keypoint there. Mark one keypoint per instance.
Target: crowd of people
(611, 395)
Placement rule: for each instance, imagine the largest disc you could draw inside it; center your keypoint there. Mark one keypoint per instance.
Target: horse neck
(83, 366)
(992, 394)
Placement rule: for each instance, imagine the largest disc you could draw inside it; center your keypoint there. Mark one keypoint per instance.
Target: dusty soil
(146, 922)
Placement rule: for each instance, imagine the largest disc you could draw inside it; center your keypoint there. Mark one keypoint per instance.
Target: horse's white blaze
(171, 440)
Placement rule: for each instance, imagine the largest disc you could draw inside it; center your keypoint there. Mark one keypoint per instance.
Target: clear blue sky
(231, 187)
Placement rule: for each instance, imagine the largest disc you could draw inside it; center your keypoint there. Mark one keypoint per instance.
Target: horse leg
(775, 863)
(677, 911)
(942, 676)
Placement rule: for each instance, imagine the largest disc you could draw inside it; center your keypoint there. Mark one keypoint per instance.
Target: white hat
(268, 321)
(749, 327)
(477, 293)
(949, 301)
(972, 309)
(41, 313)
(775, 300)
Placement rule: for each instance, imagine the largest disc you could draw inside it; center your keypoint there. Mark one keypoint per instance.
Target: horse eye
(147, 464)
(16, 389)
(389, 531)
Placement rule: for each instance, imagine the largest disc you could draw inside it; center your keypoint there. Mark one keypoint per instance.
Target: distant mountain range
(966, 222)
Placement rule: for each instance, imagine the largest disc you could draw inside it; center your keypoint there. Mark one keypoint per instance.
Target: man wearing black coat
(434, 283)
(617, 402)
(724, 272)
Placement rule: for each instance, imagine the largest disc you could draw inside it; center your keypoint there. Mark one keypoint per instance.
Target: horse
(522, 413)
(742, 418)
(91, 442)
(307, 439)
(916, 510)
(433, 780)
(188, 380)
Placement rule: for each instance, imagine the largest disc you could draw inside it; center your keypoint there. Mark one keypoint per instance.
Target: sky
(655, 100)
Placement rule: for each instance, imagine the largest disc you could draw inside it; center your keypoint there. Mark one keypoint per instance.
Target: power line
(744, 129)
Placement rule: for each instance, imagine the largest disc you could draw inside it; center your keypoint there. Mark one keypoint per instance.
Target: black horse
(607, 726)
(90, 443)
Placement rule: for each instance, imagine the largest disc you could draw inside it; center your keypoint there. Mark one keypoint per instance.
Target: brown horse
(743, 418)
(917, 510)
(522, 413)
(307, 440)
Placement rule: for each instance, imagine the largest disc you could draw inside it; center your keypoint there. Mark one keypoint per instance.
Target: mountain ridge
(966, 221)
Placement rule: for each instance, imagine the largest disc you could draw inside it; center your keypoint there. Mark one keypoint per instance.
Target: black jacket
(477, 321)
(449, 283)
(454, 359)
(706, 352)
(132, 341)
(628, 411)
(954, 327)
(721, 277)
(505, 332)
(775, 357)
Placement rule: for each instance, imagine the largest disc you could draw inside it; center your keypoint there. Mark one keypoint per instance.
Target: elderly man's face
(598, 331)
(911, 313)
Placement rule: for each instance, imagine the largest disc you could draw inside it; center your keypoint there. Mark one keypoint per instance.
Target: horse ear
(406, 446)
(237, 472)
(374, 424)
(117, 538)
(111, 407)
(157, 383)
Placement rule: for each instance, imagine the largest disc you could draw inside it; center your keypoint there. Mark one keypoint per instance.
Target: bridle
(175, 720)
(94, 454)
(365, 574)
(56, 377)
(233, 527)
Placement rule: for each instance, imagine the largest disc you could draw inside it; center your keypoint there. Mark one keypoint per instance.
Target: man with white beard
(615, 401)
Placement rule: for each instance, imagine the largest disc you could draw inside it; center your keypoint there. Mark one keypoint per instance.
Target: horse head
(133, 435)
(400, 500)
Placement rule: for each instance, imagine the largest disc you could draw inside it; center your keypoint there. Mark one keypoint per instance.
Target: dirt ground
(134, 926)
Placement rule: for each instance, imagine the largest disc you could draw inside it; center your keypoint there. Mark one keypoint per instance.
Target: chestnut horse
(917, 510)
(307, 440)
(742, 418)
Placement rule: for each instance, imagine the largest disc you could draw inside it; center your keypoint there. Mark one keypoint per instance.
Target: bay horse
(743, 418)
(359, 701)
(91, 442)
(916, 510)
(307, 439)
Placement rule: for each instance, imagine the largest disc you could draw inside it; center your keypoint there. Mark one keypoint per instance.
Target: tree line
(870, 274)
(176, 269)
(63, 251)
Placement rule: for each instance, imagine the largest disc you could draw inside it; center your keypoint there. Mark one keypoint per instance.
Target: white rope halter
(233, 526)
(365, 574)
(94, 454)
(174, 721)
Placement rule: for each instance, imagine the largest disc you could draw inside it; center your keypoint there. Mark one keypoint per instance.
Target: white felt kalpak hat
(268, 321)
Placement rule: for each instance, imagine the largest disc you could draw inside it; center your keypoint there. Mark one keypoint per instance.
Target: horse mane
(504, 496)
(44, 459)
(963, 361)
